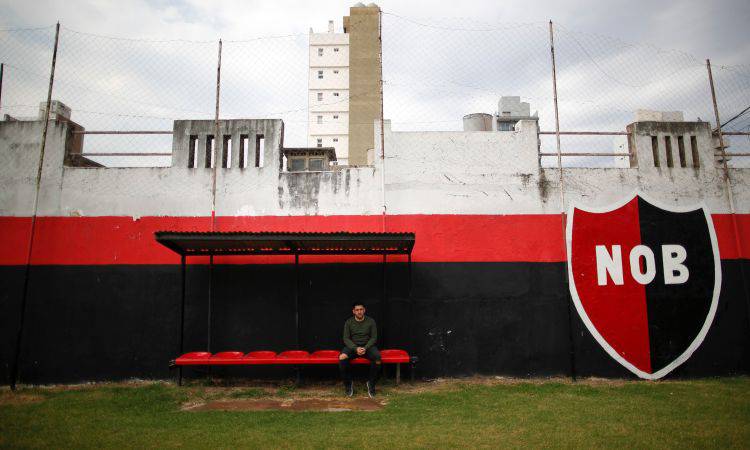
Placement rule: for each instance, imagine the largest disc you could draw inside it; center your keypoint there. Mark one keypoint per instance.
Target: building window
(335, 139)
(320, 52)
(320, 74)
(335, 71)
(319, 142)
(320, 96)
(505, 126)
(315, 164)
(320, 119)
(335, 94)
(297, 165)
(336, 49)
(335, 116)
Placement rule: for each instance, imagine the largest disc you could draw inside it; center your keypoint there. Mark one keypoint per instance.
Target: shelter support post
(384, 307)
(296, 301)
(210, 298)
(411, 308)
(182, 314)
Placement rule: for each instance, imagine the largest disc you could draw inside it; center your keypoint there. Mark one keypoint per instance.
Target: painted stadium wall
(489, 290)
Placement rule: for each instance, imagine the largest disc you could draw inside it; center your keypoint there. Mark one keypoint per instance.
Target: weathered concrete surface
(20, 145)
(425, 173)
(498, 173)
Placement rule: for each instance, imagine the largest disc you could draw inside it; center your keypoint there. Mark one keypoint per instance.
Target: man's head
(358, 309)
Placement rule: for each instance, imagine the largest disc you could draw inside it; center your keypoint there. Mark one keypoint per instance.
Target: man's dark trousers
(372, 353)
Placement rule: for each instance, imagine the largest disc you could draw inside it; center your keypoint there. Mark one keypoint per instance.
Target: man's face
(359, 312)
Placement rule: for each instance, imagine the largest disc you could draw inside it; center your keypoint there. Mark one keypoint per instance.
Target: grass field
(477, 412)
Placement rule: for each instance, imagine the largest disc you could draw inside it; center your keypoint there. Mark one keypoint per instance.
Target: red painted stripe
(731, 245)
(440, 238)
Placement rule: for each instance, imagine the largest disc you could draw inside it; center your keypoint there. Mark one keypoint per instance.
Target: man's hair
(355, 304)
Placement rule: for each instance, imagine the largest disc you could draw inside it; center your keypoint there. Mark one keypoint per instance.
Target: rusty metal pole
(2, 69)
(215, 151)
(24, 300)
(562, 197)
(554, 98)
(721, 136)
(382, 121)
(214, 163)
(728, 184)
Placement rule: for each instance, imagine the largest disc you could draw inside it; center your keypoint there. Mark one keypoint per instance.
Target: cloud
(441, 60)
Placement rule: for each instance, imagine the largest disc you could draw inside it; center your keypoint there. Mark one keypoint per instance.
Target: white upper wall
(424, 173)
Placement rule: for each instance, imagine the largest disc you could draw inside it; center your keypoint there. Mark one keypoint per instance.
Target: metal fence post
(728, 184)
(382, 121)
(562, 197)
(24, 295)
(2, 67)
(214, 154)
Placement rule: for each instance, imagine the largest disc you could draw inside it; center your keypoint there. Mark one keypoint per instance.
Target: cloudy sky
(139, 65)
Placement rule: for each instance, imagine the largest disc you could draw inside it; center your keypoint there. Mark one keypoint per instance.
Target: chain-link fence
(434, 72)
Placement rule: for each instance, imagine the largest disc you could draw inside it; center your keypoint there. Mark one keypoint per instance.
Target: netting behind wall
(259, 81)
(435, 71)
(26, 55)
(733, 98)
(131, 84)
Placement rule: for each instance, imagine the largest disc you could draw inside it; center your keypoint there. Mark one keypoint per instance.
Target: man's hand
(360, 351)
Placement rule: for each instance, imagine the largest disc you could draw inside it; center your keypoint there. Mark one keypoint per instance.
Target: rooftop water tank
(478, 122)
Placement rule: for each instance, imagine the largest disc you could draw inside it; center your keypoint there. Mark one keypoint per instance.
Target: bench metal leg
(298, 377)
(179, 376)
(398, 374)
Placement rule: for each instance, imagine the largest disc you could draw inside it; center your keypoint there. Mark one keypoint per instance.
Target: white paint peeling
(427, 173)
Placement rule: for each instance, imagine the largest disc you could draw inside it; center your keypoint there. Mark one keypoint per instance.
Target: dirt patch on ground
(15, 398)
(311, 404)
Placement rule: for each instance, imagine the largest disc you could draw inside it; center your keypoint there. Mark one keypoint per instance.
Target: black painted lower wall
(88, 323)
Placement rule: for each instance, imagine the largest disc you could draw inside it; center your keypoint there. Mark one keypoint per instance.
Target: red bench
(290, 357)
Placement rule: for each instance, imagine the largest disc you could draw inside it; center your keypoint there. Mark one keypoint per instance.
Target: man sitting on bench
(360, 335)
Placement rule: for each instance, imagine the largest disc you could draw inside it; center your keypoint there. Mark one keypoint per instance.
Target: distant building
(344, 93)
(510, 110)
(328, 92)
(309, 159)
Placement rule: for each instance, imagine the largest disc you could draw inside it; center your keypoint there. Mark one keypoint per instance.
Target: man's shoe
(370, 390)
(349, 389)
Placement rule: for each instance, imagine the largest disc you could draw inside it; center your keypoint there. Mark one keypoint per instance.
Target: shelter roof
(285, 243)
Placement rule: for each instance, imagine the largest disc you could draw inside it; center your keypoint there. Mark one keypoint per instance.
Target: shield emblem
(645, 280)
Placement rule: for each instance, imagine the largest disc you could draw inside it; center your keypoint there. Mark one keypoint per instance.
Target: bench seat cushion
(227, 358)
(193, 358)
(289, 357)
(262, 357)
(293, 357)
(324, 357)
(387, 357)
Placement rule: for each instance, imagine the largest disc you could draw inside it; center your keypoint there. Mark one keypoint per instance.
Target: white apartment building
(328, 92)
